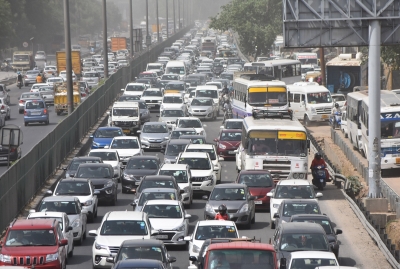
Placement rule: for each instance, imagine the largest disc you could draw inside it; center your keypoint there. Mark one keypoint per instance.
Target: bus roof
(342, 61)
(390, 101)
(260, 83)
(250, 123)
(357, 95)
(278, 62)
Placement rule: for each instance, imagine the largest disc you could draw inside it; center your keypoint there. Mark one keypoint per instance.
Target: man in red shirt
(222, 213)
(318, 161)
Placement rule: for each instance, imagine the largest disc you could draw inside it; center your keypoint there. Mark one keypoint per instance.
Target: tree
(6, 28)
(257, 22)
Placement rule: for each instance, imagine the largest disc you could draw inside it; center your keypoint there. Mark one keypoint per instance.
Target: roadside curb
(9, 81)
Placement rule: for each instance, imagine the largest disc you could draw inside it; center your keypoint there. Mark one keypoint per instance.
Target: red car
(227, 142)
(259, 182)
(34, 242)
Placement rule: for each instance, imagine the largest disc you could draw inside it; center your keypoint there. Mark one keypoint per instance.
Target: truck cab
(125, 115)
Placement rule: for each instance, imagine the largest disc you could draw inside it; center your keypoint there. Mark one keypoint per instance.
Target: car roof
(60, 198)
(194, 155)
(144, 157)
(47, 214)
(158, 177)
(126, 215)
(103, 150)
(230, 185)
(300, 182)
(155, 123)
(241, 245)
(88, 158)
(126, 137)
(313, 254)
(162, 202)
(303, 201)
(310, 217)
(95, 165)
(231, 130)
(33, 224)
(152, 190)
(179, 141)
(216, 223)
(252, 172)
(302, 227)
(174, 166)
(74, 179)
(141, 242)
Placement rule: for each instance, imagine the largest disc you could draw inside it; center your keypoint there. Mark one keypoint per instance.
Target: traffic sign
(25, 44)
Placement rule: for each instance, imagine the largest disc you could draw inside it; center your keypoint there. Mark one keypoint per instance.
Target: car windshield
(125, 112)
(147, 196)
(172, 113)
(134, 88)
(175, 70)
(43, 89)
(73, 188)
(294, 192)
(90, 75)
(207, 93)
(170, 77)
(163, 211)
(215, 231)
(152, 93)
(241, 257)
(267, 143)
(324, 223)
(303, 241)
(75, 163)
(105, 156)
(305, 263)
(227, 76)
(108, 133)
(189, 123)
(230, 136)
(177, 134)
(202, 102)
(34, 105)
(196, 163)
(128, 98)
(68, 207)
(174, 149)
(179, 175)
(319, 98)
(156, 184)
(44, 237)
(151, 253)
(94, 172)
(256, 180)
(234, 125)
(123, 227)
(142, 164)
(155, 128)
(338, 98)
(210, 152)
(290, 209)
(228, 194)
(125, 144)
(172, 100)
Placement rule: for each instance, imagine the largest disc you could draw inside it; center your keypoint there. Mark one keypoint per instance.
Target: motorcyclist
(222, 215)
(318, 161)
(39, 78)
(335, 109)
(19, 77)
(225, 90)
(227, 105)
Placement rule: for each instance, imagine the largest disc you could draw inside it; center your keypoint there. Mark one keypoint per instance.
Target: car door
(95, 199)
(62, 250)
(68, 233)
(192, 238)
(82, 216)
(167, 264)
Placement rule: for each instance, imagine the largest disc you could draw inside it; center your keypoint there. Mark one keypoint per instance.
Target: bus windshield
(390, 128)
(266, 96)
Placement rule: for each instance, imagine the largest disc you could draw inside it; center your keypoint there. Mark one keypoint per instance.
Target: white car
(153, 97)
(126, 146)
(91, 77)
(339, 98)
(81, 188)
(207, 229)
(169, 221)
(49, 70)
(343, 124)
(97, 57)
(35, 87)
(290, 189)
(109, 156)
(123, 63)
(116, 227)
(313, 259)
(192, 122)
(210, 149)
(183, 176)
(63, 74)
(52, 80)
(173, 101)
(203, 173)
(63, 220)
(134, 89)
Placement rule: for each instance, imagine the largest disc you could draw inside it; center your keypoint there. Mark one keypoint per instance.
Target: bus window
(296, 98)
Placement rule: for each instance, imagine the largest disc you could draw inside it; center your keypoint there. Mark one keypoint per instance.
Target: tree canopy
(257, 22)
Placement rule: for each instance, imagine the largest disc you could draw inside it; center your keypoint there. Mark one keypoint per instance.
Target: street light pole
(158, 24)
(173, 7)
(166, 1)
(183, 13)
(147, 19)
(131, 26)
(179, 14)
(105, 48)
(67, 33)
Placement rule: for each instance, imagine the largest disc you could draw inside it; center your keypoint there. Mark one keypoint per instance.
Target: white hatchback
(126, 146)
(192, 122)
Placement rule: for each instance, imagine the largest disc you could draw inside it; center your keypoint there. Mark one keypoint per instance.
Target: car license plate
(137, 183)
(127, 131)
(258, 202)
(324, 116)
(196, 187)
(35, 113)
(397, 160)
(231, 152)
(155, 146)
(162, 236)
(321, 180)
(150, 105)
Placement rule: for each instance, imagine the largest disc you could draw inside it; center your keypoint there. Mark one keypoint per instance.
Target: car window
(210, 151)
(70, 208)
(172, 113)
(303, 241)
(147, 196)
(60, 220)
(174, 149)
(294, 192)
(72, 188)
(230, 136)
(215, 231)
(94, 172)
(256, 180)
(228, 194)
(196, 163)
(234, 125)
(189, 123)
(75, 163)
(141, 164)
(107, 133)
(105, 156)
(45, 237)
(125, 144)
(179, 175)
(123, 227)
(140, 252)
(290, 209)
(155, 128)
(163, 211)
(146, 184)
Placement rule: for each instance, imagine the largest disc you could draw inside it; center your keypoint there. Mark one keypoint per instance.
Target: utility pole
(131, 27)
(173, 7)
(105, 48)
(67, 33)
(166, 1)
(179, 14)
(183, 13)
(158, 24)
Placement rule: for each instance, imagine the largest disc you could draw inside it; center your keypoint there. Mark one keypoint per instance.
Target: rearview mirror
(276, 216)
(49, 192)
(188, 216)
(270, 194)
(133, 204)
(204, 197)
(192, 258)
(338, 231)
(318, 195)
(171, 259)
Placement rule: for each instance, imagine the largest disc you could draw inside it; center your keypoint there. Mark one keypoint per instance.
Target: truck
(61, 97)
(346, 72)
(125, 115)
(209, 44)
(22, 61)
(75, 59)
(118, 43)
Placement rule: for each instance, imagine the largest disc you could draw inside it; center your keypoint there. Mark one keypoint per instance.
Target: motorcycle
(336, 120)
(319, 177)
(19, 84)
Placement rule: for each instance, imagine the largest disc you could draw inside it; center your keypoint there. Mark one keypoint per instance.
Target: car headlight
(210, 209)
(221, 146)
(211, 179)
(195, 249)
(116, 168)
(5, 258)
(162, 107)
(201, 132)
(51, 257)
(180, 227)
(88, 203)
(167, 160)
(126, 176)
(96, 144)
(76, 223)
(244, 208)
(275, 205)
(144, 139)
(98, 246)
(313, 111)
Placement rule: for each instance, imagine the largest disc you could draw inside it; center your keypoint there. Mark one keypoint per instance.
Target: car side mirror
(49, 192)
(32, 210)
(91, 136)
(187, 238)
(270, 194)
(63, 242)
(188, 216)
(181, 191)
(138, 131)
(70, 228)
(221, 158)
(157, 116)
(276, 216)
(96, 192)
(204, 197)
(122, 90)
(193, 258)
(71, 175)
(171, 259)
(215, 139)
(133, 204)
(110, 259)
(252, 198)
(318, 195)
(93, 233)
(107, 147)
(84, 211)
(338, 231)
(162, 150)
(108, 113)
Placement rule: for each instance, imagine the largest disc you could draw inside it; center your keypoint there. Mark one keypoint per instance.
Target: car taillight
(21, 101)
(12, 149)
(2, 106)
(44, 111)
(83, 94)
(25, 113)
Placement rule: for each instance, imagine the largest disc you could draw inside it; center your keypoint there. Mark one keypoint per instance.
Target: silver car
(169, 116)
(30, 77)
(48, 94)
(154, 194)
(203, 108)
(154, 135)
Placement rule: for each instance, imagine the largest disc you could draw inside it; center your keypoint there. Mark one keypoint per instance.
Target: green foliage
(257, 23)
(6, 28)
(390, 56)
(355, 185)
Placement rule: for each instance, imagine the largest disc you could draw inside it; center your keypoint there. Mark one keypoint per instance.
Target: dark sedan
(326, 223)
(259, 183)
(70, 170)
(290, 207)
(136, 168)
(101, 175)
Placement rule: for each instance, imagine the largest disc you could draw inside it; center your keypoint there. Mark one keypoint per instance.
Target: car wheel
(248, 224)
(26, 124)
(253, 220)
(95, 214)
(114, 201)
(336, 253)
(272, 224)
(84, 235)
(184, 247)
(90, 217)
(307, 121)
(47, 122)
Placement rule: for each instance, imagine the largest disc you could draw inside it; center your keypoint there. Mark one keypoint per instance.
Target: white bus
(257, 94)
(353, 110)
(306, 58)
(286, 70)
(275, 144)
(390, 129)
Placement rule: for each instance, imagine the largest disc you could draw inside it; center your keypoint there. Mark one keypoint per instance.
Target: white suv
(116, 227)
(153, 98)
(210, 149)
(192, 122)
(290, 189)
(203, 171)
(173, 101)
(183, 176)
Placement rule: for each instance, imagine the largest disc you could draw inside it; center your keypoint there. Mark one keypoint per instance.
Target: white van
(310, 102)
(210, 91)
(176, 67)
(125, 115)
